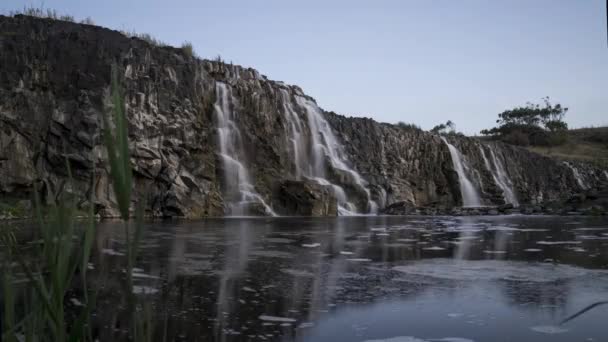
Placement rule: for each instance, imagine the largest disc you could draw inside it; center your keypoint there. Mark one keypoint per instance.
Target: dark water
(393, 279)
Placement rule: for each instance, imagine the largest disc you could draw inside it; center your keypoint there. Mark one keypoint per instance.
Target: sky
(416, 61)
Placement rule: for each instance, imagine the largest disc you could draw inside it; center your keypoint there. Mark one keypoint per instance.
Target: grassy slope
(584, 144)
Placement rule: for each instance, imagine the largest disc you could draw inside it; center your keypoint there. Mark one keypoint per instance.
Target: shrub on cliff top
(188, 49)
(532, 124)
(411, 126)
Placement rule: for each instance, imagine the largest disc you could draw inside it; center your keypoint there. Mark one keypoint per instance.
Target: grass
(188, 49)
(35, 311)
(585, 145)
(41, 12)
(148, 38)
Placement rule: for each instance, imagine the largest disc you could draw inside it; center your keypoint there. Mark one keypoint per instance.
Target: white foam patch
(471, 270)
(533, 250)
(407, 240)
(346, 253)
(434, 248)
(311, 245)
(590, 228)
(415, 339)
(503, 229)
(398, 339)
(143, 275)
(549, 329)
(558, 242)
(359, 260)
(276, 319)
(109, 251)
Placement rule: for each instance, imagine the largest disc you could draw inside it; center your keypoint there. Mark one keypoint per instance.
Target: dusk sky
(422, 62)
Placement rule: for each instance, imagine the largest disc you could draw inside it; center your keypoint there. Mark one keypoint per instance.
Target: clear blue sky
(396, 60)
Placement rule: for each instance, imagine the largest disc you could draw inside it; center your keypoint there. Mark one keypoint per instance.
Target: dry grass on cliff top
(584, 144)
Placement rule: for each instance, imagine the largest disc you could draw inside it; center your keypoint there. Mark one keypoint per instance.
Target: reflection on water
(364, 278)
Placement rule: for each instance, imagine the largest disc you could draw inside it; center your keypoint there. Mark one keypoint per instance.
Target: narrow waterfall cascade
(577, 175)
(606, 174)
(501, 178)
(311, 156)
(470, 195)
(239, 193)
(297, 137)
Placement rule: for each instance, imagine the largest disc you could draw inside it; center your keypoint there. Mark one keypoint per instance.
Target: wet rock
(402, 208)
(305, 198)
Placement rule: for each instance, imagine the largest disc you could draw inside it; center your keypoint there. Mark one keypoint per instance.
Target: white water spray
(239, 192)
(325, 147)
(577, 176)
(500, 176)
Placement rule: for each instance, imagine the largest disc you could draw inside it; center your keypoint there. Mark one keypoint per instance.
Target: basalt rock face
(207, 137)
(304, 198)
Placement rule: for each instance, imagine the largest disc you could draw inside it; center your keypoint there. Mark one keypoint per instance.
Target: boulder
(304, 198)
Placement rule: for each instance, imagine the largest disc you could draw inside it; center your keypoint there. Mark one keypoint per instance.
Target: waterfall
(323, 147)
(239, 192)
(470, 196)
(577, 176)
(500, 176)
(297, 139)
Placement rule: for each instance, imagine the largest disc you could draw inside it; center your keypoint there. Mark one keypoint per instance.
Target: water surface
(393, 279)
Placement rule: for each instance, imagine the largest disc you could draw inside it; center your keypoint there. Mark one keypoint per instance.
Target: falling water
(500, 176)
(470, 196)
(577, 176)
(239, 191)
(324, 146)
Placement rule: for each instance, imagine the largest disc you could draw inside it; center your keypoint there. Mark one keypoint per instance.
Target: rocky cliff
(210, 138)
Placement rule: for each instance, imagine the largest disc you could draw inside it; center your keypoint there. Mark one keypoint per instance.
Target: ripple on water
(549, 329)
(415, 339)
(494, 270)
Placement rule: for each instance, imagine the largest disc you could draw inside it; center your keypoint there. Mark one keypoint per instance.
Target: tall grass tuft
(117, 146)
(188, 49)
(34, 310)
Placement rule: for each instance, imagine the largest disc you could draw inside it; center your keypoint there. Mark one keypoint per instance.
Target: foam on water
(276, 319)
(549, 329)
(491, 270)
(415, 339)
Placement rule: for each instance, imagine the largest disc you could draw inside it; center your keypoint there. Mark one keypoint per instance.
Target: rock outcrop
(304, 198)
(299, 160)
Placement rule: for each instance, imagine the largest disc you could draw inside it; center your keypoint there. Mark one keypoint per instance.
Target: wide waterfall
(312, 149)
(470, 196)
(239, 193)
(501, 178)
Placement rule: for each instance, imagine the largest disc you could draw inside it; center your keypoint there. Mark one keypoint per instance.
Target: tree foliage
(446, 128)
(532, 124)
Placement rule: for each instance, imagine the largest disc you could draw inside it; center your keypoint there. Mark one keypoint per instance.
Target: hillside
(584, 145)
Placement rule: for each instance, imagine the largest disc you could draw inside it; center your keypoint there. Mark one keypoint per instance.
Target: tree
(532, 124)
(448, 127)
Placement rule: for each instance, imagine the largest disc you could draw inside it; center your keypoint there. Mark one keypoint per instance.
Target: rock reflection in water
(362, 278)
